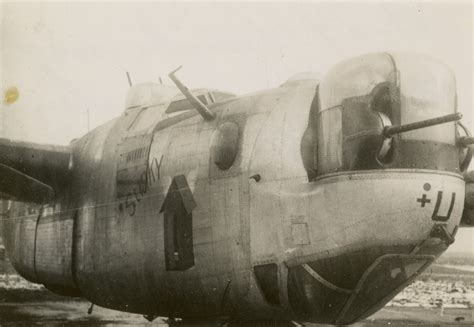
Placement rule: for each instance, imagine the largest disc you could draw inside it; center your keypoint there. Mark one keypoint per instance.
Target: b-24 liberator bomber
(317, 201)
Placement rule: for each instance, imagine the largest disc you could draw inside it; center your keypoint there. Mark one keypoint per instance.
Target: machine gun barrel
(466, 141)
(389, 131)
(195, 102)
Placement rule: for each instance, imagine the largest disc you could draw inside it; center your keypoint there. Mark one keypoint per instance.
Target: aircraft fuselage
(183, 217)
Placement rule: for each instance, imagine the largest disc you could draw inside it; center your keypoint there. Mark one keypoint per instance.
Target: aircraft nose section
(347, 288)
(377, 232)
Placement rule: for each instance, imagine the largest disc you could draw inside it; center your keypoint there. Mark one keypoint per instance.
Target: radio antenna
(129, 79)
(88, 125)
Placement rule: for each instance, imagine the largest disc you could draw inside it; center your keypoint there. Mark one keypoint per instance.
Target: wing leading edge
(31, 172)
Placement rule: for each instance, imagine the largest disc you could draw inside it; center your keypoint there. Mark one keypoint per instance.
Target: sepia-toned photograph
(236, 164)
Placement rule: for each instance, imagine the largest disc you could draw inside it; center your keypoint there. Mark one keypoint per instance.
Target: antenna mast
(129, 80)
(88, 125)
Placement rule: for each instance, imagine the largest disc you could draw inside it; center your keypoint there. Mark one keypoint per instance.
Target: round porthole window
(225, 144)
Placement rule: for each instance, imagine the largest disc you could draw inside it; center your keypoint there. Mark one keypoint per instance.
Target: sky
(68, 60)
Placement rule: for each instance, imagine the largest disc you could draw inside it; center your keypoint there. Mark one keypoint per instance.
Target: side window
(225, 157)
(225, 145)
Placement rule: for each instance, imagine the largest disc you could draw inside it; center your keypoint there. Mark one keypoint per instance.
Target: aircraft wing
(468, 214)
(32, 172)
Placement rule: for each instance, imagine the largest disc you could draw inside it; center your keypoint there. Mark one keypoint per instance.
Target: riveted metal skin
(148, 223)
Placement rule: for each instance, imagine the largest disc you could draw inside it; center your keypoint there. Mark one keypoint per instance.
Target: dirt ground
(403, 316)
(74, 313)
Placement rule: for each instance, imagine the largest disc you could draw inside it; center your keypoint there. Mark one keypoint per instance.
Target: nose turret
(362, 97)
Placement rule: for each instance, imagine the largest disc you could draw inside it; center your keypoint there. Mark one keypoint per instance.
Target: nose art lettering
(436, 216)
(423, 200)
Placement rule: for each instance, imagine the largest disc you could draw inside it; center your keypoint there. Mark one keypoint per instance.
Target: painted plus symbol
(423, 200)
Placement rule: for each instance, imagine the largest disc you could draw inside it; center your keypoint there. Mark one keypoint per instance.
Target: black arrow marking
(179, 192)
(178, 226)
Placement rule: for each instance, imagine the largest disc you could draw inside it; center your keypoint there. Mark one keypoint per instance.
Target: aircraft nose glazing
(315, 295)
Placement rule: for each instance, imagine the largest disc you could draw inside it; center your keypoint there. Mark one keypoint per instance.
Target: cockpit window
(184, 104)
(204, 95)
